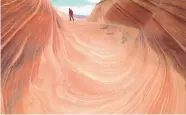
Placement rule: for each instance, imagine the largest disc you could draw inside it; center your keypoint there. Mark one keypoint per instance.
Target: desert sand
(129, 56)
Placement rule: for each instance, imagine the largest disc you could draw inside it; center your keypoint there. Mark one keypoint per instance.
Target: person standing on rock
(71, 14)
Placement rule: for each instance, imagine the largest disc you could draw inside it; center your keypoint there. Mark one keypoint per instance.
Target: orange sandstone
(128, 57)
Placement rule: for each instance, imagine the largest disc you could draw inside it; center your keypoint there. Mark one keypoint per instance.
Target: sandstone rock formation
(130, 59)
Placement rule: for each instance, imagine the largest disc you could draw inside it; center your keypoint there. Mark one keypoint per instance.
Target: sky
(79, 7)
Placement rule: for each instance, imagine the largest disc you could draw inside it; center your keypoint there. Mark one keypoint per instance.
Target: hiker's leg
(73, 17)
(70, 17)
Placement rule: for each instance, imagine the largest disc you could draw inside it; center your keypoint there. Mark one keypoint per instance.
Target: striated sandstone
(129, 57)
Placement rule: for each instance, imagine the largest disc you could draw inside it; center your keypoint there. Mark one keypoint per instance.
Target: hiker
(71, 14)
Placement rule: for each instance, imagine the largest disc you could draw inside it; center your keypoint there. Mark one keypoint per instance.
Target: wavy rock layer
(134, 63)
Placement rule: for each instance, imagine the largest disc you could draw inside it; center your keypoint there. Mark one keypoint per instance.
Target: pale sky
(80, 7)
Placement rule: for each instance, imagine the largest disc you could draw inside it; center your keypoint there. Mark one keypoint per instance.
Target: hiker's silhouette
(71, 14)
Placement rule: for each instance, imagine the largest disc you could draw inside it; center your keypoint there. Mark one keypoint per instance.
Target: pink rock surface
(130, 59)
